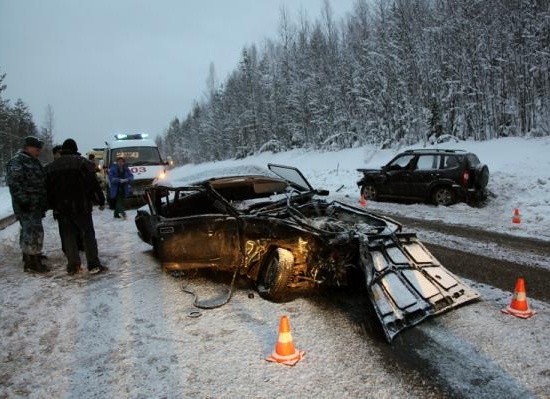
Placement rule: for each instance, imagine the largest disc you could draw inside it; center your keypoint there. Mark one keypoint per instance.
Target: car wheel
(369, 192)
(482, 176)
(443, 196)
(275, 274)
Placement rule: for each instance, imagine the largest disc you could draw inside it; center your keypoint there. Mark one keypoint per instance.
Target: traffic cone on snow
(518, 306)
(516, 219)
(285, 352)
(363, 201)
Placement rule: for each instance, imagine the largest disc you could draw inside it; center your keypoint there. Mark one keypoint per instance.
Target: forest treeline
(16, 122)
(396, 71)
(391, 72)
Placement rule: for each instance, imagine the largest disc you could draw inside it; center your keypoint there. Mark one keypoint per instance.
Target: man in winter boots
(72, 191)
(27, 184)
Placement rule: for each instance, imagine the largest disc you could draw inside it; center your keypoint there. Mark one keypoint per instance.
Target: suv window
(473, 160)
(451, 161)
(403, 162)
(427, 162)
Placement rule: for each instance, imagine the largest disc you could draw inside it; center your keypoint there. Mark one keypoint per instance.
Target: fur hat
(69, 146)
(32, 141)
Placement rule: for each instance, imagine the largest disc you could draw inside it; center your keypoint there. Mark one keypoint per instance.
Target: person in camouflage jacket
(26, 180)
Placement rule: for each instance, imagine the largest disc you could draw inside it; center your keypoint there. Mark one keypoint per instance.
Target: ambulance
(141, 155)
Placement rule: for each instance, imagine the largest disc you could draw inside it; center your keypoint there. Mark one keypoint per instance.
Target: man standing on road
(56, 151)
(120, 178)
(72, 192)
(27, 183)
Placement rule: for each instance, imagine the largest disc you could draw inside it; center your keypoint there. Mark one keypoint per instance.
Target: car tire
(275, 274)
(443, 195)
(482, 176)
(369, 191)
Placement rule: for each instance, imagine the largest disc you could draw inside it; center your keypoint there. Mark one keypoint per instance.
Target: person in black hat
(72, 191)
(56, 152)
(26, 179)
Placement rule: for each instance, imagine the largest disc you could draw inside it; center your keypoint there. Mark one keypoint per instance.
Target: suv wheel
(443, 195)
(482, 176)
(369, 192)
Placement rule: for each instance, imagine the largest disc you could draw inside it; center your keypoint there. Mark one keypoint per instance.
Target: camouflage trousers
(31, 235)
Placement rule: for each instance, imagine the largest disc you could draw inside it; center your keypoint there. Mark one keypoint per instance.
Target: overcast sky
(108, 66)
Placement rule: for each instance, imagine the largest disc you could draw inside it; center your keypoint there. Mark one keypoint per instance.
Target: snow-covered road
(129, 334)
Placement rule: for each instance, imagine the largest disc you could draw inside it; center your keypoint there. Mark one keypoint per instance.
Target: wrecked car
(273, 227)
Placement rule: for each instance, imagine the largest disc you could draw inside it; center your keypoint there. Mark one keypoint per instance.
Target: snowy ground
(129, 334)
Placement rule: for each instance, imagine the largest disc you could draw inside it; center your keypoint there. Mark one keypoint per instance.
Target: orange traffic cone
(363, 201)
(285, 352)
(516, 219)
(519, 306)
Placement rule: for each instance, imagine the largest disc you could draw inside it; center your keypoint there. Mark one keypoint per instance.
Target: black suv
(440, 176)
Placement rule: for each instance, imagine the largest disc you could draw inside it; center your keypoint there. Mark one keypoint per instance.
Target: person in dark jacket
(27, 184)
(72, 192)
(120, 178)
(56, 152)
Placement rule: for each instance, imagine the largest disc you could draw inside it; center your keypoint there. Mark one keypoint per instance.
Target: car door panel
(200, 241)
(399, 177)
(398, 183)
(425, 173)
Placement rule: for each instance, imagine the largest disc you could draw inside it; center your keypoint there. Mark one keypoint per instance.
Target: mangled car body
(274, 228)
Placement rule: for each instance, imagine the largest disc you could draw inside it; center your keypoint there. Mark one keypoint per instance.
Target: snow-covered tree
(394, 71)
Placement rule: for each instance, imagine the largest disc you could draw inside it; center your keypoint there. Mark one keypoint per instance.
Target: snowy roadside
(128, 334)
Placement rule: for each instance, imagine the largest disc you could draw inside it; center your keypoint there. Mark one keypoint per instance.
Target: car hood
(407, 284)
